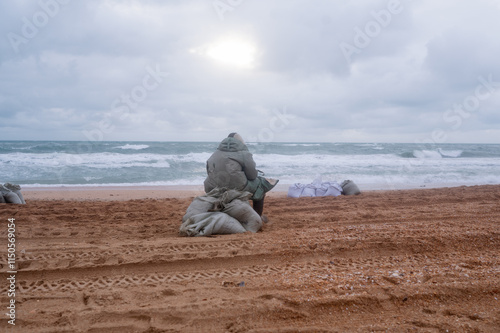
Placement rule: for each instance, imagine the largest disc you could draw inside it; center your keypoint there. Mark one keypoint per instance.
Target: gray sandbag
(16, 189)
(9, 196)
(245, 214)
(221, 211)
(235, 204)
(2, 200)
(201, 204)
(12, 198)
(210, 223)
(350, 188)
(214, 200)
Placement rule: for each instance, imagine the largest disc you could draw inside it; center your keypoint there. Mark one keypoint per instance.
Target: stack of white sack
(323, 189)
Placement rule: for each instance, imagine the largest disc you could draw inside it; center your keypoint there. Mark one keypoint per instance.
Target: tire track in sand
(384, 270)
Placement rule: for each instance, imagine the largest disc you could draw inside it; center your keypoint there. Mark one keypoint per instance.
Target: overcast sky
(281, 70)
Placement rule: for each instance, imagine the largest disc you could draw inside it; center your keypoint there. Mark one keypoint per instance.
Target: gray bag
(244, 213)
(211, 223)
(349, 188)
(16, 189)
(220, 211)
(9, 196)
(201, 204)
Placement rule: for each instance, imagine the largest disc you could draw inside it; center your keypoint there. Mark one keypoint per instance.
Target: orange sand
(422, 260)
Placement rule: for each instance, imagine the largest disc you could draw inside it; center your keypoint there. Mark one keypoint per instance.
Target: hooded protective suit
(231, 166)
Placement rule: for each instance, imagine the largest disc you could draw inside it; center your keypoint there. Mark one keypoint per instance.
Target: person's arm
(250, 167)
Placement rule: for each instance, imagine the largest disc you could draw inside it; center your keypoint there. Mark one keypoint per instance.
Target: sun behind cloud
(235, 52)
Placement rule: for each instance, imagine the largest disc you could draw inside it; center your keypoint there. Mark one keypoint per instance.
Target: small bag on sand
(12, 198)
(200, 204)
(309, 191)
(16, 189)
(9, 196)
(210, 223)
(244, 213)
(333, 189)
(349, 188)
(295, 190)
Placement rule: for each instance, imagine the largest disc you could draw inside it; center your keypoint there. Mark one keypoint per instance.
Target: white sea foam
(311, 161)
(366, 144)
(198, 181)
(97, 160)
(100, 160)
(450, 153)
(132, 147)
(438, 153)
(88, 179)
(301, 144)
(427, 154)
(190, 157)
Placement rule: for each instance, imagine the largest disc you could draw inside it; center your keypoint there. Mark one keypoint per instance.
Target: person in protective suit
(232, 166)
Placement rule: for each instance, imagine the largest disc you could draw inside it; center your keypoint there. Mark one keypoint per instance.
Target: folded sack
(315, 189)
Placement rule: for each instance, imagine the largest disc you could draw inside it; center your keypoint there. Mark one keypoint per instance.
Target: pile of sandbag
(221, 211)
(323, 189)
(11, 193)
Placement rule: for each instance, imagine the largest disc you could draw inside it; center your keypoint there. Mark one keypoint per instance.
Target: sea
(370, 165)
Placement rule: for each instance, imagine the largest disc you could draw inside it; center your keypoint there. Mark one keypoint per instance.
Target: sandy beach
(111, 260)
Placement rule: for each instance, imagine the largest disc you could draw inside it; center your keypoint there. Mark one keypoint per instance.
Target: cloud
(70, 68)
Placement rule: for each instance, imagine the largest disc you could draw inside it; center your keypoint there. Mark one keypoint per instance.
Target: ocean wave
(301, 144)
(88, 179)
(366, 144)
(100, 160)
(313, 160)
(432, 154)
(132, 147)
(191, 157)
(97, 160)
(427, 154)
(450, 153)
(145, 163)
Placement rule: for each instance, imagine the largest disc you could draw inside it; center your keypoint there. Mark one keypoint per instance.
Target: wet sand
(110, 260)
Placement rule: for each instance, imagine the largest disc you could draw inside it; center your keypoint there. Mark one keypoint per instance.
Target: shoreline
(111, 193)
(132, 192)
